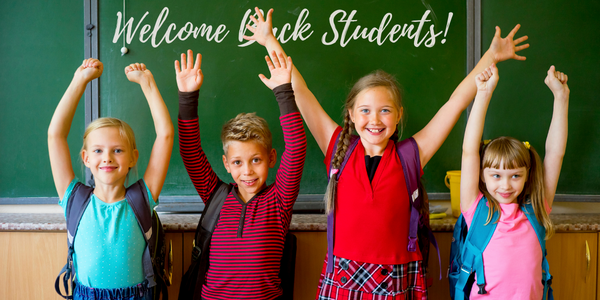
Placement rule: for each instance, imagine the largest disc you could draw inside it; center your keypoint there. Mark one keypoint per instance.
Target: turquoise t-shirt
(109, 243)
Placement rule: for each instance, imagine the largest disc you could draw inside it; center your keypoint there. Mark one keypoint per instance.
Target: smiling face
(248, 163)
(109, 156)
(375, 116)
(505, 185)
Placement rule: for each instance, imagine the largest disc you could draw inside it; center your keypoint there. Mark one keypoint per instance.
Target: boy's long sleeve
(199, 169)
(287, 183)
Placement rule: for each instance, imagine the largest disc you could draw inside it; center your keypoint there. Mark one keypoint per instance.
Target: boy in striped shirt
(247, 242)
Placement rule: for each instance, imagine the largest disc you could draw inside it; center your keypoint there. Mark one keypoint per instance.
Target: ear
(400, 114)
(351, 114)
(85, 158)
(272, 158)
(136, 155)
(481, 176)
(226, 164)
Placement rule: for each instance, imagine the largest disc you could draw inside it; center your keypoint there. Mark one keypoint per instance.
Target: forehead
(502, 170)
(375, 96)
(106, 136)
(241, 149)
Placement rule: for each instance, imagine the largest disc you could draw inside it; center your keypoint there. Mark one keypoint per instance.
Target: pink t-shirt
(513, 258)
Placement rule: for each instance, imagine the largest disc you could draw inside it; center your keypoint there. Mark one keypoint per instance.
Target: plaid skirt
(364, 281)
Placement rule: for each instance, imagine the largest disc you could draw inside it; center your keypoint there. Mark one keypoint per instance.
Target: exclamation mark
(450, 14)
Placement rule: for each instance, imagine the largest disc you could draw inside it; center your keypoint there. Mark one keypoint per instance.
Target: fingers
(190, 59)
(198, 61)
(177, 69)
(521, 39)
(519, 57)
(497, 34)
(269, 63)
(269, 15)
(275, 59)
(562, 77)
(135, 67)
(259, 14)
(514, 31)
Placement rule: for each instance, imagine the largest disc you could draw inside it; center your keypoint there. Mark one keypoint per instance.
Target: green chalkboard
(428, 68)
(41, 45)
(563, 34)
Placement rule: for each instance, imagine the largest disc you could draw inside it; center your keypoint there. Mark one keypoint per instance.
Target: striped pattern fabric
(247, 244)
(354, 280)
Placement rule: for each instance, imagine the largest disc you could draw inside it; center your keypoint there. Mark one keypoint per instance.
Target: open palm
(189, 76)
(280, 68)
(507, 48)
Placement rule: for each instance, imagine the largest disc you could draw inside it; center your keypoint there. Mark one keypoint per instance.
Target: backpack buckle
(482, 290)
(196, 252)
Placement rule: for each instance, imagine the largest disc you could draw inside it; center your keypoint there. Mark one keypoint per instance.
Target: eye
(364, 110)
(516, 176)
(236, 162)
(386, 110)
(97, 151)
(495, 176)
(118, 151)
(256, 160)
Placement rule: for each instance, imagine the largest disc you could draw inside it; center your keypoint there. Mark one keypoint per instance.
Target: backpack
(153, 259)
(466, 252)
(195, 276)
(420, 230)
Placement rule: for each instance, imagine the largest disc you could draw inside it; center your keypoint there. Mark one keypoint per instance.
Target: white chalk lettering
(378, 34)
(169, 36)
(300, 32)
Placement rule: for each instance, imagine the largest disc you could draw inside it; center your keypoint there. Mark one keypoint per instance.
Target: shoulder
(469, 213)
(63, 202)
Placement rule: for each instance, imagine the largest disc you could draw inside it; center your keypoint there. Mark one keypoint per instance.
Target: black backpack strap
(76, 205)
(204, 231)
(137, 197)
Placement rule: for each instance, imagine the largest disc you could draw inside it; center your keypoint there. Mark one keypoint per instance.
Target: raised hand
(89, 70)
(507, 48)
(280, 68)
(557, 81)
(263, 29)
(137, 73)
(488, 79)
(189, 76)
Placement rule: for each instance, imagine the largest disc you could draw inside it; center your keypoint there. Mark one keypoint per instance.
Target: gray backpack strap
(137, 197)
(76, 205)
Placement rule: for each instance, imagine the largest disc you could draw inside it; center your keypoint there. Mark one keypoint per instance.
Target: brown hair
(378, 78)
(510, 153)
(246, 127)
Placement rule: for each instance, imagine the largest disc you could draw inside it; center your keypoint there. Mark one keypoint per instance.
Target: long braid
(338, 157)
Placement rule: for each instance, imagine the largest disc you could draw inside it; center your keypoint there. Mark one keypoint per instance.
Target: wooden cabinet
(574, 274)
(30, 261)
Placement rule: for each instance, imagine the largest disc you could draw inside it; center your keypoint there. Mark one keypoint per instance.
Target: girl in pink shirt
(508, 175)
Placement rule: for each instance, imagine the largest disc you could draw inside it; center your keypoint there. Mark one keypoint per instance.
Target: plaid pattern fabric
(354, 280)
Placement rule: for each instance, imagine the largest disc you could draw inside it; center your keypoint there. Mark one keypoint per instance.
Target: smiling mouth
(249, 182)
(108, 169)
(375, 130)
(505, 195)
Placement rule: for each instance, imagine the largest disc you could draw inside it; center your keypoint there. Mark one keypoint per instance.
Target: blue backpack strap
(331, 217)
(540, 231)
(137, 197)
(76, 205)
(477, 239)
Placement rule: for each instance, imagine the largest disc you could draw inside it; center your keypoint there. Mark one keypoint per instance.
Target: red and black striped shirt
(247, 243)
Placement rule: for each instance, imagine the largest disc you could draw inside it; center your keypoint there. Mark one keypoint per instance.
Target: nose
(247, 169)
(374, 118)
(504, 183)
(107, 157)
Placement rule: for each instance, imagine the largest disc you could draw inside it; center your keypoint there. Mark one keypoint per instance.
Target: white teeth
(374, 130)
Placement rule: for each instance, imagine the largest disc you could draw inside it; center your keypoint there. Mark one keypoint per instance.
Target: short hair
(246, 127)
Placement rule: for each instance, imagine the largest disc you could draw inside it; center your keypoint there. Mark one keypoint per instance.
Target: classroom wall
(42, 48)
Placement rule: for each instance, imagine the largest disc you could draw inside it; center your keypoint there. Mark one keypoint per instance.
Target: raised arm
(486, 82)
(156, 172)
(289, 173)
(433, 135)
(556, 142)
(318, 121)
(58, 148)
(189, 80)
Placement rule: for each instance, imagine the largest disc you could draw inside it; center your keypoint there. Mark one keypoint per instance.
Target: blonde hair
(378, 78)
(510, 153)
(125, 132)
(246, 127)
